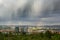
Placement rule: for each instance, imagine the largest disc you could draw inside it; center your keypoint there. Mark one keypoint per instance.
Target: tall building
(17, 29)
(24, 29)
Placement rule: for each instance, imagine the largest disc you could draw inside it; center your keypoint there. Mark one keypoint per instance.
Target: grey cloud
(30, 11)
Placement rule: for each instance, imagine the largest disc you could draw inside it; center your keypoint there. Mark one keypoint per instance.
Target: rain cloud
(31, 12)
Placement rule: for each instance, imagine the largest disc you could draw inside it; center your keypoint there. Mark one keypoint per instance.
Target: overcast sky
(30, 12)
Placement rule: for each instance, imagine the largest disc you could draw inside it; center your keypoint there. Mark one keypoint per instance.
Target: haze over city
(30, 12)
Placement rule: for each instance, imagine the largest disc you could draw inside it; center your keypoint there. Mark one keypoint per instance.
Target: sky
(30, 12)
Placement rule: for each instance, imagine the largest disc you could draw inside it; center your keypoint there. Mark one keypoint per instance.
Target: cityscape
(29, 28)
(29, 19)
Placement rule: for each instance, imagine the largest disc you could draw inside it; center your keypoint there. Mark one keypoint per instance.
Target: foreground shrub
(37, 36)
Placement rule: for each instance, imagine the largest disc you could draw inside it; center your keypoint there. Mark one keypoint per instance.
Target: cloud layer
(33, 12)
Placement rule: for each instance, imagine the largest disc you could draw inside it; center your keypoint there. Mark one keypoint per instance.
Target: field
(35, 36)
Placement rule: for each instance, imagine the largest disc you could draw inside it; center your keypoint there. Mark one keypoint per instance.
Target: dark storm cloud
(29, 11)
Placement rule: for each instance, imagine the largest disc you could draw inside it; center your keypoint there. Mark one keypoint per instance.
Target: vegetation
(36, 36)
